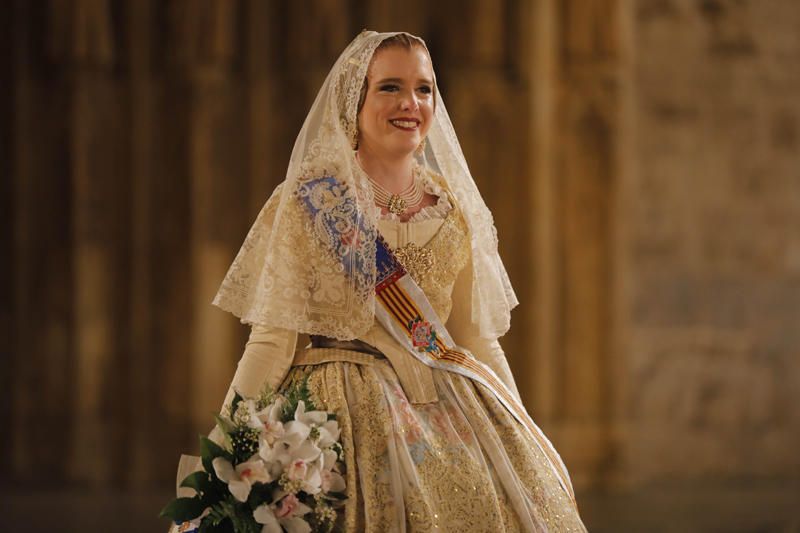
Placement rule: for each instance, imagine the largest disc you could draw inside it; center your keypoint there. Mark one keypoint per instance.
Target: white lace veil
(314, 270)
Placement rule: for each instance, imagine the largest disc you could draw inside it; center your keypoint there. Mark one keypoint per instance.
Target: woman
(379, 246)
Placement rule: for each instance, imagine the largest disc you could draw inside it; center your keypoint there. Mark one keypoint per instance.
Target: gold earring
(420, 150)
(354, 138)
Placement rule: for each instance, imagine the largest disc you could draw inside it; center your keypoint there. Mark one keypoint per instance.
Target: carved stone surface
(714, 311)
(640, 158)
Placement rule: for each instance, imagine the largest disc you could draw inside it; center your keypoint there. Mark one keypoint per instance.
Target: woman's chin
(402, 149)
(396, 148)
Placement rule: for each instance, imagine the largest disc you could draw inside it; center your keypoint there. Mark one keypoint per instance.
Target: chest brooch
(417, 261)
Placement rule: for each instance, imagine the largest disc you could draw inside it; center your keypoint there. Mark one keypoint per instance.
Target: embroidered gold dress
(425, 449)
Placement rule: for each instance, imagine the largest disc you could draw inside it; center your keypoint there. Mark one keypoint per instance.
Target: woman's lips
(405, 124)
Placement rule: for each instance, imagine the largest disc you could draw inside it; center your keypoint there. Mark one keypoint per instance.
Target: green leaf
(265, 397)
(297, 391)
(262, 492)
(207, 527)
(183, 509)
(225, 424)
(235, 403)
(209, 450)
(231, 515)
(198, 481)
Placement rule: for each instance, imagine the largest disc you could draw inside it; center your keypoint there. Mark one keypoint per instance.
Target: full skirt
(460, 464)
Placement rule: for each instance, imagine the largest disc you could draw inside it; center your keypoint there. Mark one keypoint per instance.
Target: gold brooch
(396, 205)
(417, 261)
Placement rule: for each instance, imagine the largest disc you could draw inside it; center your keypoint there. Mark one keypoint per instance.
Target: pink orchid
(287, 515)
(241, 478)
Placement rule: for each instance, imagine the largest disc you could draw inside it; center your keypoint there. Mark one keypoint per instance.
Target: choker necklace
(398, 203)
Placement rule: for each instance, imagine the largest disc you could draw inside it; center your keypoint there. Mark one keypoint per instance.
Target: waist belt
(319, 341)
(415, 377)
(317, 356)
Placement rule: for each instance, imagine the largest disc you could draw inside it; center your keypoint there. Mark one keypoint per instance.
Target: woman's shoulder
(436, 178)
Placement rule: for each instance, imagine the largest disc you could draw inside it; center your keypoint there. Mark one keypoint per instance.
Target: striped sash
(405, 312)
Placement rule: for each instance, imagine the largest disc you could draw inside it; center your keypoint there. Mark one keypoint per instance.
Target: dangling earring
(420, 150)
(351, 132)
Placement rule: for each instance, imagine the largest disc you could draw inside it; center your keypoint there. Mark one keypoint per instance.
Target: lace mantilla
(315, 272)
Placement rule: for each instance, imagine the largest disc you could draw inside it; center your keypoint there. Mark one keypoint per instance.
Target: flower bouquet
(279, 469)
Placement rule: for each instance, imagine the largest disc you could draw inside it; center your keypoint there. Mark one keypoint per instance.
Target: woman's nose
(409, 102)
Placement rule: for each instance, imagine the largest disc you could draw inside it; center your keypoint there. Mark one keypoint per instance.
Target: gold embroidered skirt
(460, 464)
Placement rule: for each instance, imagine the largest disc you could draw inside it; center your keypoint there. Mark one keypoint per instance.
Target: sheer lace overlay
(459, 464)
(315, 273)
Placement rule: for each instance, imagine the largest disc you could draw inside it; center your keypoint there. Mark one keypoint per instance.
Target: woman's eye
(425, 89)
(389, 88)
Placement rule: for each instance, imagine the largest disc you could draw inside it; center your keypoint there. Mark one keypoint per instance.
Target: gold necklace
(398, 203)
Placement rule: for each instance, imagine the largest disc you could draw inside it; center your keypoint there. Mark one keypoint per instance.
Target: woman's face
(398, 106)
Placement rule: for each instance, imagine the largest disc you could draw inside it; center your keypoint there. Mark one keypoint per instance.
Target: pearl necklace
(398, 203)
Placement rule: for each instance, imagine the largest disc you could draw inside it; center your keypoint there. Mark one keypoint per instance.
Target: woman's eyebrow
(399, 80)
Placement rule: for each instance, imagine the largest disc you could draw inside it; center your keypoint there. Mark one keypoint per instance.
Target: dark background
(640, 158)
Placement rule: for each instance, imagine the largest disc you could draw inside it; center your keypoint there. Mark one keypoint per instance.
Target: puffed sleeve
(466, 334)
(266, 360)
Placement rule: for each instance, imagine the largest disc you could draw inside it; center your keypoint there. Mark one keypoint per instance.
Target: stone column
(211, 59)
(84, 44)
(576, 82)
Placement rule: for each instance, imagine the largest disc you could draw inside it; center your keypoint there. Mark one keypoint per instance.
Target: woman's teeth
(404, 124)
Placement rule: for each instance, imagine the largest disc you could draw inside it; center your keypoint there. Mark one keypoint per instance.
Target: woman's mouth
(405, 124)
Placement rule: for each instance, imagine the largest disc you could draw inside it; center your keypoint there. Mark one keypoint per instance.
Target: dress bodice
(433, 245)
(433, 252)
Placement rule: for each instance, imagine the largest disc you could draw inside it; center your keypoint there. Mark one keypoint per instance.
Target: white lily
(299, 462)
(298, 430)
(328, 434)
(327, 459)
(287, 513)
(241, 478)
(269, 420)
(310, 418)
(296, 524)
(330, 480)
(277, 454)
(306, 472)
(288, 449)
(296, 433)
(264, 514)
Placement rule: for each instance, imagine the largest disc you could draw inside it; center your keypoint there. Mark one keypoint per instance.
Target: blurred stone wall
(640, 158)
(711, 255)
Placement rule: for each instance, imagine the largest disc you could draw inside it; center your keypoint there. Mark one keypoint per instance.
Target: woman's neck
(393, 174)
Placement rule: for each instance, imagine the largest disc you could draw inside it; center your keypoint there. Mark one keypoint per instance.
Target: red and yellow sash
(405, 312)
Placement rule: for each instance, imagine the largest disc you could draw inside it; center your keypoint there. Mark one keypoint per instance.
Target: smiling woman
(398, 102)
(379, 246)
(394, 115)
